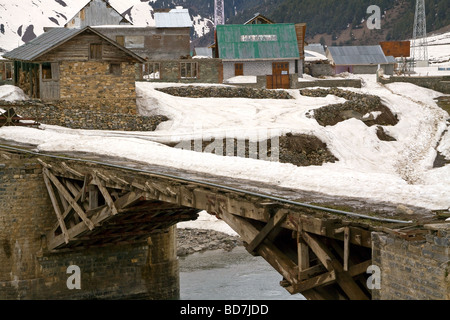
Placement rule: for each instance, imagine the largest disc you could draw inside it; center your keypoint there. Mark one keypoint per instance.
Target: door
(49, 89)
(238, 69)
(280, 68)
(280, 76)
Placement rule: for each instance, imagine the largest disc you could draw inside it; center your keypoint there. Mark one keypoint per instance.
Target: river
(234, 275)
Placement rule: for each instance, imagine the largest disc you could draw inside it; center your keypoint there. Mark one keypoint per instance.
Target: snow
(241, 79)
(209, 222)
(12, 93)
(400, 172)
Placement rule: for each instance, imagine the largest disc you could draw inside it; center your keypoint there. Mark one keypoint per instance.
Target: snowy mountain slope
(21, 21)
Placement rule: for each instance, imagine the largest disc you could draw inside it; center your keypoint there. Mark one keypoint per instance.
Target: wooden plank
(109, 201)
(70, 200)
(346, 247)
(56, 206)
(93, 197)
(72, 171)
(274, 222)
(318, 281)
(343, 278)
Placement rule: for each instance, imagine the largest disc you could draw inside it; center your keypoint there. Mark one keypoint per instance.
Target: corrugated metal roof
(41, 44)
(357, 55)
(175, 18)
(316, 47)
(257, 41)
(203, 51)
(52, 39)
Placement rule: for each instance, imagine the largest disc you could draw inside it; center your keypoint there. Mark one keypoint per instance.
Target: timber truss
(318, 254)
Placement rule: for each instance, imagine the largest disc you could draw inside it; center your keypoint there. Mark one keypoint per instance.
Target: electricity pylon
(420, 43)
(219, 12)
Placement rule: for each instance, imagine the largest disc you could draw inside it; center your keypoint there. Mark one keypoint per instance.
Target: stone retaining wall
(72, 115)
(331, 83)
(438, 83)
(225, 92)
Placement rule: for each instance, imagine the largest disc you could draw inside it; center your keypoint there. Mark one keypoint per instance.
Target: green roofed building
(261, 49)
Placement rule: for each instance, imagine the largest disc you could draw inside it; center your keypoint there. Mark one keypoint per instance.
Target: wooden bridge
(320, 252)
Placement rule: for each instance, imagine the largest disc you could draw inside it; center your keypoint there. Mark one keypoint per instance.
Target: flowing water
(235, 275)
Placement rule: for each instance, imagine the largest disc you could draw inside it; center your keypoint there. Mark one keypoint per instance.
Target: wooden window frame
(115, 68)
(120, 40)
(53, 72)
(91, 55)
(193, 71)
(147, 65)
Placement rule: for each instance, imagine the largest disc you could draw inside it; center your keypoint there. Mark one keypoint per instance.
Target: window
(115, 69)
(95, 51)
(188, 70)
(6, 71)
(135, 42)
(152, 71)
(120, 40)
(47, 71)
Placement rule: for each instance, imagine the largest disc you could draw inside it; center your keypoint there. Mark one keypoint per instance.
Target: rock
(401, 209)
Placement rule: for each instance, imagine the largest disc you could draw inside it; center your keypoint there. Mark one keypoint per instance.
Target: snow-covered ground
(400, 172)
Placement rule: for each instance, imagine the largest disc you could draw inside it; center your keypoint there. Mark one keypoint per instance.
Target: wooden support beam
(285, 266)
(346, 247)
(69, 199)
(318, 281)
(274, 222)
(109, 201)
(59, 216)
(93, 197)
(72, 171)
(343, 278)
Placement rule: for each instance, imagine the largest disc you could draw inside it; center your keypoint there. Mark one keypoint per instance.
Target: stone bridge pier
(140, 268)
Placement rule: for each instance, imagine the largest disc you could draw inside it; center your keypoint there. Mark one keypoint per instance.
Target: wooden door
(280, 68)
(49, 81)
(238, 69)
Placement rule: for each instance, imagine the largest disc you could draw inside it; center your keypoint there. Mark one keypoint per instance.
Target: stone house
(77, 67)
(272, 50)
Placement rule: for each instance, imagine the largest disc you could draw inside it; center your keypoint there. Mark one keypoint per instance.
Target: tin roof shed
(356, 55)
(175, 18)
(257, 41)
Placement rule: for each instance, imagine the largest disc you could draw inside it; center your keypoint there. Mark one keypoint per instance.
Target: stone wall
(209, 71)
(438, 83)
(413, 270)
(225, 92)
(330, 83)
(93, 83)
(144, 270)
(76, 115)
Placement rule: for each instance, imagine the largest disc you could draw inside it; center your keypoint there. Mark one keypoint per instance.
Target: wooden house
(77, 66)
